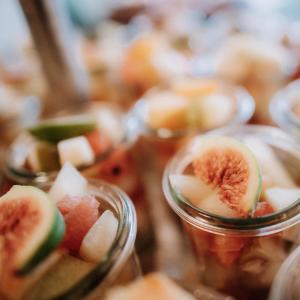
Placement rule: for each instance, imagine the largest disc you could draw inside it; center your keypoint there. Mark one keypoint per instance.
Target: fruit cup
(286, 284)
(236, 192)
(285, 108)
(77, 260)
(166, 117)
(93, 139)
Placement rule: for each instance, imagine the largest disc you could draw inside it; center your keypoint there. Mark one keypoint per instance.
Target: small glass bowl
(286, 284)
(250, 250)
(282, 108)
(119, 265)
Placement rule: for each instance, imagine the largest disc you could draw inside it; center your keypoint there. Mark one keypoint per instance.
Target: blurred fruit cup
(238, 256)
(286, 284)
(94, 139)
(285, 109)
(166, 117)
(71, 277)
(16, 112)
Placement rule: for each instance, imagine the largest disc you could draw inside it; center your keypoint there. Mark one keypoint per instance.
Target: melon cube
(76, 150)
(99, 238)
(281, 198)
(68, 182)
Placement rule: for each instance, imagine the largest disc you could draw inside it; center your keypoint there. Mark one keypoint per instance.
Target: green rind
(51, 241)
(55, 132)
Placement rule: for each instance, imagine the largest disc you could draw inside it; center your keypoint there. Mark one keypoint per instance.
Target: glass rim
(281, 108)
(121, 248)
(258, 226)
(282, 283)
(245, 108)
(20, 174)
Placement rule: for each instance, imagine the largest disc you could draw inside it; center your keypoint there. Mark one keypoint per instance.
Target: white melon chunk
(280, 198)
(213, 110)
(99, 238)
(109, 125)
(269, 163)
(68, 182)
(76, 150)
(200, 195)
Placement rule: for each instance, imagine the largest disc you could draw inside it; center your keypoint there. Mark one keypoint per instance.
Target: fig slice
(200, 195)
(230, 169)
(31, 227)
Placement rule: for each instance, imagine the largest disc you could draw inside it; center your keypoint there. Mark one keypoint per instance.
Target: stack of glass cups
(165, 141)
(116, 165)
(285, 108)
(254, 248)
(118, 266)
(286, 284)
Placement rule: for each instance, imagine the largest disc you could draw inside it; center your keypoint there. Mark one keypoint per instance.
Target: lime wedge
(62, 128)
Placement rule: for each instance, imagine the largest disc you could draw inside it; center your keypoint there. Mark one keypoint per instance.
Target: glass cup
(165, 142)
(286, 284)
(285, 108)
(119, 265)
(240, 257)
(117, 165)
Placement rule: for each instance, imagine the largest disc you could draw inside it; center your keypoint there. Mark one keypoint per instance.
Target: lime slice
(62, 128)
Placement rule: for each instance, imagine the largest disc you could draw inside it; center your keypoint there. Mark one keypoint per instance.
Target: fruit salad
(236, 191)
(96, 143)
(47, 252)
(168, 115)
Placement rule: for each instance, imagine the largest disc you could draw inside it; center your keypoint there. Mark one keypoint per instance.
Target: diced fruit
(211, 111)
(99, 142)
(99, 238)
(68, 182)
(60, 278)
(195, 88)
(68, 203)
(78, 220)
(263, 208)
(230, 169)
(227, 249)
(153, 286)
(76, 151)
(30, 228)
(281, 198)
(62, 128)
(137, 68)
(43, 156)
(270, 165)
(110, 125)
(200, 194)
(167, 110)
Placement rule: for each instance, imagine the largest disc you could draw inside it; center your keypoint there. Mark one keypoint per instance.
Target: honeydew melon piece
(43, 156)
(99, 238)
(76, 151)
(61, 277)
(59, 129)
(68, 182)
(270, 165)
(280, 198)
(211, 111)
(31, 228)
(109, 125)
(200, 195)
(167, 110)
